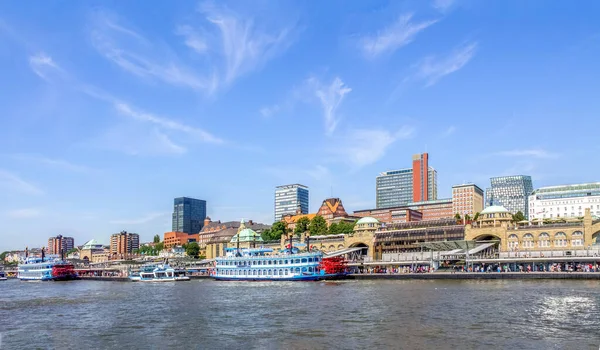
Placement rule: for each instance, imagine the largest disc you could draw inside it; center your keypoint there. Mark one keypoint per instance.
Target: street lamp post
(291, 242)
(308, 242)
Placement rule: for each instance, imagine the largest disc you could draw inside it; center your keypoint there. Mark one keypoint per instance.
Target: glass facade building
(290, 198)
(568, 201)
(188, 215)
(512, 192)
(397, 188)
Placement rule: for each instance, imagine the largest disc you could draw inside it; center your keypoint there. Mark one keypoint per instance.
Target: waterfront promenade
(477, 276)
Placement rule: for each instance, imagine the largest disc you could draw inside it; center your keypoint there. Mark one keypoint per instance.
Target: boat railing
(278, 256)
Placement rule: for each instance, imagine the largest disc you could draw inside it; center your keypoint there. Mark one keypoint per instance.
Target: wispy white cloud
(431, 69)
(40, 63)
(400, 33)
(57, 163)
(11, 181)
(193, 39)
(25, 213)
(451, 130)
(269, 111)
(168, 144)
(330, 96)
(319, 172)
(141, 220)
(442, 5)
(136, 55)
(361, 147)
(166, 123)
(534, 153)
(243, 45)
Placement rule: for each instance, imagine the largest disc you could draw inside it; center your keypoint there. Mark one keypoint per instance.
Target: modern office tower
(400, 187)
(512, 192)
(123, 243)
(188, 215)
(290, 198)
(467, 199)
(424, 179)
(55, 244)
(567, 201)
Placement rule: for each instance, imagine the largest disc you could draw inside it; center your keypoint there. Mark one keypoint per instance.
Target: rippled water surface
(296, 315)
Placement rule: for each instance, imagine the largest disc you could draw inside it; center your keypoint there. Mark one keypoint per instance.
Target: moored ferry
(44, 268)
(158, 273)
(2, 276)
(256, 264)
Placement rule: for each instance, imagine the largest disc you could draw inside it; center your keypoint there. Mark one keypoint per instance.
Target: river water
(203, 314)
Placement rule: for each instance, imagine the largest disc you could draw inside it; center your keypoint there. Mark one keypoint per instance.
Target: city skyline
(109, 114)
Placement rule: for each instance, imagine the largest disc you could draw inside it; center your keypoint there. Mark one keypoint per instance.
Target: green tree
(277, 230)
(192, 250)
(302, 225)
(156, 239)
(467, 217)
(266, 235)
(334, 228)
(159, 246)
(346, 227)
(518, 216)
(71, 251)
(476, 217)
(318, 226)
(457, 216)
(3, 256)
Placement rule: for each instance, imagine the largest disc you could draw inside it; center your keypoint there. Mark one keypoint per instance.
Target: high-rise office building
(567, 201)
(512, 192)
(55, 244)
(467, 199)
(400, 187)
(289, 199)
(188, 215)
(124, 243)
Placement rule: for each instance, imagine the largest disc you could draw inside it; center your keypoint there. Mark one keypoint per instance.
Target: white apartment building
(567, 201)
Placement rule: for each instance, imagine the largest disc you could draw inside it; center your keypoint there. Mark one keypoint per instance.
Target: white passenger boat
(260, 264)
(158, 273)
(2, 276)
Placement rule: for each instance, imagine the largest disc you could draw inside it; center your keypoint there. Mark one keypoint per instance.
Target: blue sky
(109, 110)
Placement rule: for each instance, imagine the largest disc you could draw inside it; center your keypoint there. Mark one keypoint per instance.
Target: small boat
(257, 264)
(158, 273)
(2, 276)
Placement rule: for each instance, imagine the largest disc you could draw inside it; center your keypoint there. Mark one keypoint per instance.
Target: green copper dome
(246, 235)
(367, 220)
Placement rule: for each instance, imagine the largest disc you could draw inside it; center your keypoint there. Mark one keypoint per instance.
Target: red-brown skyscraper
(424, 179)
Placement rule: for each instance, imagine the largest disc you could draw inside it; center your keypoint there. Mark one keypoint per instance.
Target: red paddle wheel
(63, 272)
(334, 265)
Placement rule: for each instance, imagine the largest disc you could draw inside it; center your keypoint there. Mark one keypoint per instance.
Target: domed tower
(366, 225)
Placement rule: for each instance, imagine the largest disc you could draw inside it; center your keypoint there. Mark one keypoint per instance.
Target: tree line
(316, 227)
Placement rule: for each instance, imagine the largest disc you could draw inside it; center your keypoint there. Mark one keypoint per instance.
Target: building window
(577, 239)
(560, 240)
(544, 240)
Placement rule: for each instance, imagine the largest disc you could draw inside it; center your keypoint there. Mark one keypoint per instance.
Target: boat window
(286, 262)
(287, 271)
(270, 272)
(310, 259)
(310, 269)
(254, 273)
(297, 270)
(304, 261)
(297, 261)
(280, 272)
